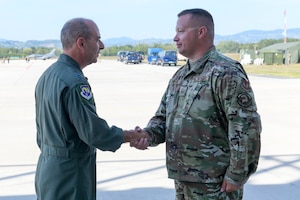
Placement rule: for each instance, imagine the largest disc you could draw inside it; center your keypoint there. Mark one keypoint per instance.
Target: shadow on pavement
(18, 197)
(278, 177)
(138, 193)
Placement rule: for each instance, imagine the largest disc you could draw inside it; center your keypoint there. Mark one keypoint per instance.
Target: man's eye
(179, 30)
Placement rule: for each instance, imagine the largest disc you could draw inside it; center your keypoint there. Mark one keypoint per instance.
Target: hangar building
(281, 53)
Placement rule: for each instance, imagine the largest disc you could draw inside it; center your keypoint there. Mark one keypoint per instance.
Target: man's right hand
(140, 138)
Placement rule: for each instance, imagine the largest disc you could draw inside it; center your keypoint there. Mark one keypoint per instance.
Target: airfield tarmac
(126, 96)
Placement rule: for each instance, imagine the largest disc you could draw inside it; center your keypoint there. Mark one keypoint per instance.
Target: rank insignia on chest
(86, 92)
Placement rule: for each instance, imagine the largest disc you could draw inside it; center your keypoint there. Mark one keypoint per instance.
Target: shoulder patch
(244, 99)
(246, 84)
(86, 92)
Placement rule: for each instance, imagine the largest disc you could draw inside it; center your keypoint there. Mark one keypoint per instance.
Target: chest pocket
(172, 98)
(184, 96)
(193, 97)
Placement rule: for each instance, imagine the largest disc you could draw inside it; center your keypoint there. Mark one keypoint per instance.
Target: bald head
(80, 39)
(73, 29)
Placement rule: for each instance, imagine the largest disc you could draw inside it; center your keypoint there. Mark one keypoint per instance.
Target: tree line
(223, 47)
(20, 53)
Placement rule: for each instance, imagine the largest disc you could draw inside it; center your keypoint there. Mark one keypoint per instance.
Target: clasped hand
(137, 138)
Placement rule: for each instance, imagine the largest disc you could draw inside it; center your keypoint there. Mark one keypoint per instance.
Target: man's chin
(180, 51)
(96, 59)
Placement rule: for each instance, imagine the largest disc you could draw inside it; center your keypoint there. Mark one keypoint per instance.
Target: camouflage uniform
(198, 191)
(209, 121)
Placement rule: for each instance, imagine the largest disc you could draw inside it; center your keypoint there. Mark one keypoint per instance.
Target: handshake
(137, 138)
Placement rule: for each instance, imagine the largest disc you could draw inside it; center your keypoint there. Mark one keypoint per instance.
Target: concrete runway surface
(126, 96)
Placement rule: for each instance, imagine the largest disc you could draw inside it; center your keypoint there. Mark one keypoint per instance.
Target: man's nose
(101, 45)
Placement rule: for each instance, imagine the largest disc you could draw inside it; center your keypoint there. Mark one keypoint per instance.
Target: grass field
(288, 71)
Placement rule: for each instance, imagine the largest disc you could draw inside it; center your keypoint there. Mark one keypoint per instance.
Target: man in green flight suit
(68, 127)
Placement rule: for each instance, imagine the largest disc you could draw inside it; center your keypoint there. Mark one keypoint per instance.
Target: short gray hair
(73, 29)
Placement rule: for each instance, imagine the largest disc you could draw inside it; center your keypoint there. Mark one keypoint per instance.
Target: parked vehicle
(168, 57)
(121, 55)
(141, 56)
(131, 57)
(153, 55)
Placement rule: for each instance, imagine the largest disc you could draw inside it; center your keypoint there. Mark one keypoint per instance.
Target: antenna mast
(284, 31)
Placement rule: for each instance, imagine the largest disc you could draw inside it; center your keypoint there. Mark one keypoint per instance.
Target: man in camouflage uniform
(207, 117)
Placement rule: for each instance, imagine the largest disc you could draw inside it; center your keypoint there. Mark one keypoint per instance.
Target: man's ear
(202, 31)
(80, 42)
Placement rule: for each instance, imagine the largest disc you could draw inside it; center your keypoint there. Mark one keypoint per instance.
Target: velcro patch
(86, 92)
(244, 99)
(246, 84)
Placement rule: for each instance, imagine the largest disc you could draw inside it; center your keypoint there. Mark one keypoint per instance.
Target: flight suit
(68, 133)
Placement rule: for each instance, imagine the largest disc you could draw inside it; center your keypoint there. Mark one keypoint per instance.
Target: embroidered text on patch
(86, 92)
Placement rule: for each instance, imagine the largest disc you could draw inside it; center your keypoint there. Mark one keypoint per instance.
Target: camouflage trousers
(200, 191)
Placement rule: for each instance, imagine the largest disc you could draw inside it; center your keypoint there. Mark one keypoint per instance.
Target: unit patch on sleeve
(86, 92)
(244, 99)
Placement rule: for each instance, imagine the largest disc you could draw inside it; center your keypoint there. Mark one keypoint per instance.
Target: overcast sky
(140, 19)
